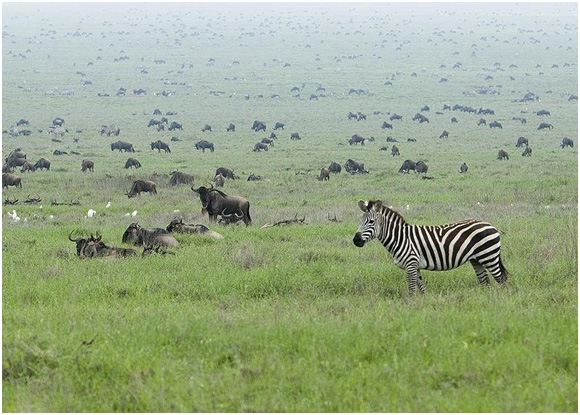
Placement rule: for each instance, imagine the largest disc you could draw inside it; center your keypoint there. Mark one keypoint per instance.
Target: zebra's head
(366, 230)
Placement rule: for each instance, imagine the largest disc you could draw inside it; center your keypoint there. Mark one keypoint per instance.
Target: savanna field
(295, 317)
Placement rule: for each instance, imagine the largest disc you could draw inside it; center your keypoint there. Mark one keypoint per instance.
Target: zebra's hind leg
(481, 272)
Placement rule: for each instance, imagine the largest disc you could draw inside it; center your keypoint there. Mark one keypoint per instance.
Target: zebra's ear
(363, 205)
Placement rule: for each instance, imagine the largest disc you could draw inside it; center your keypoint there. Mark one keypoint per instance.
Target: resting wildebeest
(567, 142)
(177, 226)
(157, 237)
(527, 152)
(463, 168)
(227, 173)
(9, 179)
(217, 203)
(355, 139)
(522, 141)
(324, 174)
(231, 128)
(142, 186)
(354, 166)
(160, 145)
(175, 126)
(92, 247)
(42, 164)
(131, 162)
(334, 167)
(260, 146)
(545, 125)
(295, 136)
(87, 164)
(421, 167)
(503, 155)
(203, 144)
(406, 166)
(122, 146)
(495, 124)
(178, 177)
(205, 128)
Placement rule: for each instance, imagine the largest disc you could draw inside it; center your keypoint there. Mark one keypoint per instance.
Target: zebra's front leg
(414, 277)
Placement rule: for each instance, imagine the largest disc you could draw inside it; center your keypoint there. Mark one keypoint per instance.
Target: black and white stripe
(436, 248)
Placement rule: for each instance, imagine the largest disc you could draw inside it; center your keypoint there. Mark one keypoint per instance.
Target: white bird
(108, 204)
(91, 213)
(134, 213)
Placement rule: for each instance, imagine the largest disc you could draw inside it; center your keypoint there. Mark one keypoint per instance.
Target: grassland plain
(295, 318)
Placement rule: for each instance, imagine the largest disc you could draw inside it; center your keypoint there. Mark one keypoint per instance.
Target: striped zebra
(436, 248)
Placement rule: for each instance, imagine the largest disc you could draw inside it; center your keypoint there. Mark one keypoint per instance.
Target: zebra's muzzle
(358, 240)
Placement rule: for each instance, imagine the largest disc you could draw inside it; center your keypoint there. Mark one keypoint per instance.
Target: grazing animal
(406, 166)
(203, 144)
(545, 125)
(463, 168)
(178, 177)
(42, 164)
(154, 238)
(527, 152)
(132, 162)
(87, 164)
(324, 174)
(217, 203)
(522, 141)
(122, 146)
(334, 167)
(436, 248)
(142, 186)
(567, 142)
(9, 179)
(177, 226)
(160, 145)
(502, 155)
(227, 173)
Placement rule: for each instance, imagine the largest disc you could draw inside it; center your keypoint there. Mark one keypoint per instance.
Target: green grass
(295, 318)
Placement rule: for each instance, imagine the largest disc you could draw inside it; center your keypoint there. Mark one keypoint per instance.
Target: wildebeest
(110, 130)
(87, 164)
(354, 166)
(231, 128)
(175, 126)
(156, 237)
(527, 151)
(544, 125)
(463, 168)
(356, 139)
(28, 166)
(334, 167)
(217, 203)
(122, 146)
(203, 144)
(406, 166)
(260, 146)
(160, 145)
(279, 126)
(295, 136)
(522, 141)
(502, 155)
(205, 128)
(142, 186)
(177, 226)
(9, 179)
(324, 174)
(42, 164)
(178, 177)
(495, 124)
(567, 142)
(421, 167)
(227, 173)
(395, 151)
(132, 162)
(93, 247)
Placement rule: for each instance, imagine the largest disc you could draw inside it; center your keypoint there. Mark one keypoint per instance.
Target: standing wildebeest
(178, 177)
(324, 174)
(87, 164)
(522, 141)
(231, 128)
(545, 125)
(142, 186)
(334, 167)
(110, 130)
(131, 162)
(567, 142)
(260, 146)
(395, 151)
(503, 155)
(177, 226)
(9, 179)
(42, 164)
(28, 166)
(406, 166)
(356, 139)
(527, 151)
(217, 203)
(227, 173)
(203, 144)
(160, 145)
(157, 237)
(495, 124)
(421, 167)
(463, 168)
(279, 126)
(122, 146)
(353, 166)
(205, 128)
(295, 136)
(175, 126)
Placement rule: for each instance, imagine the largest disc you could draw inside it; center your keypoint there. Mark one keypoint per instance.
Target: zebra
(436, 248)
